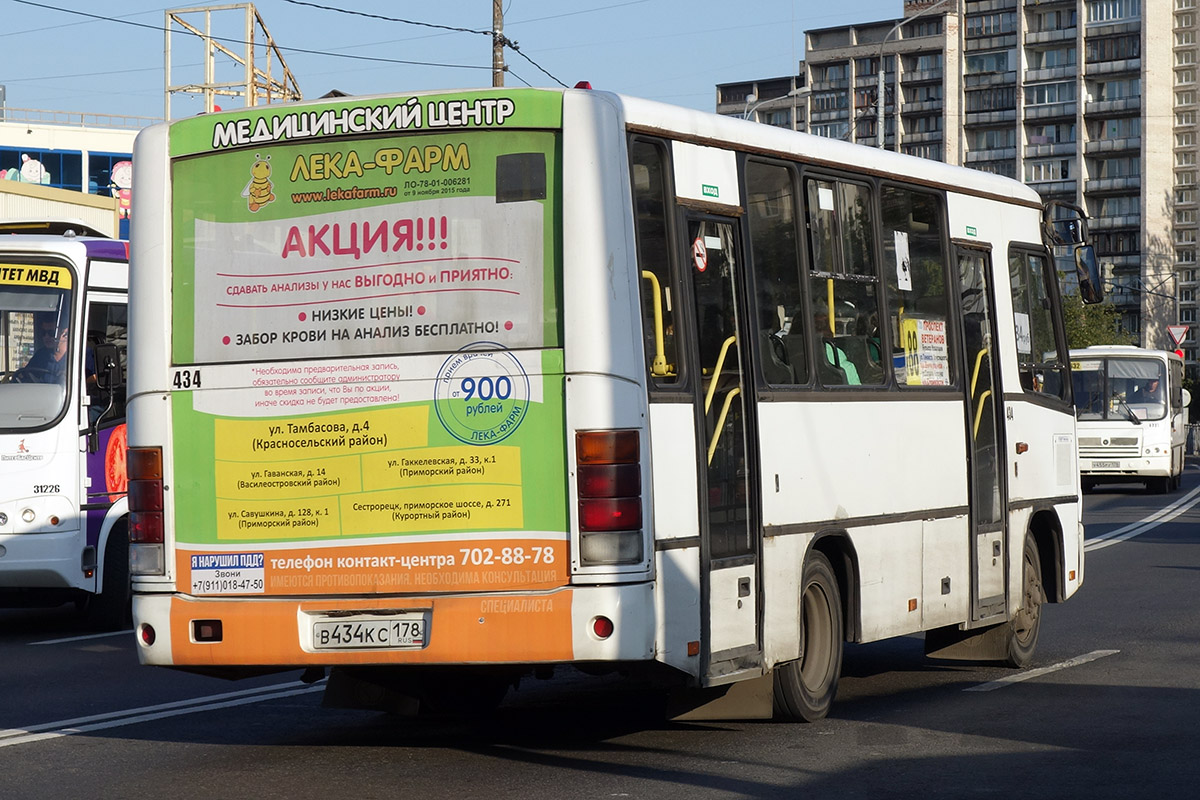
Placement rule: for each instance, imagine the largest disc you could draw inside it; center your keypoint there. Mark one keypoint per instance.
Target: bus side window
(915, 270)
(844, 279)
(106, 325)
(1042, 363)
(649, 170)
(775, 264)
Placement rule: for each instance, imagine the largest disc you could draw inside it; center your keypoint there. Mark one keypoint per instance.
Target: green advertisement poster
(366, 326)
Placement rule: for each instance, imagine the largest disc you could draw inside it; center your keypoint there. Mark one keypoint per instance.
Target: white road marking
(1164, 514)
(82, 638)
(132, 716)
(1036, 673)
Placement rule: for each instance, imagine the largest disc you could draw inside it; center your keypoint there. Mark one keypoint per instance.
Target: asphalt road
(1109, 709)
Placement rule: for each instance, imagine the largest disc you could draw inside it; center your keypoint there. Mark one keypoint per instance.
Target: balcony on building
(998, 154)
(1125, 184)
(1118, 221)
(1129, 25)
(1098, 146)
(831, 85)
(1053, 187)
(1132, 261)
(990, 117)
(1118, 106)
(978, 80)
(1050, 73)
(923, 107)
(988, 6)
(835, 115)
(1052, 110)
(1050, 37)
(922, 76)
(1133, 66)
(919, 137)
(1050, 149)
(1004, 41)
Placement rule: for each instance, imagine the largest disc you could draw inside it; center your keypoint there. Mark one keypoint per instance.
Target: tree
(1089, 325)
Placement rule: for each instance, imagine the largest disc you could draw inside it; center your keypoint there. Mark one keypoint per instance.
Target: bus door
(729, 594)
(985, 451)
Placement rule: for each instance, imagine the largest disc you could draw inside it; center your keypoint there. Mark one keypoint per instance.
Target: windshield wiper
(1129, 413)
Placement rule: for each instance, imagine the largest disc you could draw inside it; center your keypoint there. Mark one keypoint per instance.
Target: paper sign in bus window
(1024, 336)
(903, 261)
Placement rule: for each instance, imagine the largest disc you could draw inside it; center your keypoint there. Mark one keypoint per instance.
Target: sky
(674, 51)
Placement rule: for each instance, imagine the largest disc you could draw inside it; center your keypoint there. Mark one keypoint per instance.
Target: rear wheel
(1025, 625)
(804, 689)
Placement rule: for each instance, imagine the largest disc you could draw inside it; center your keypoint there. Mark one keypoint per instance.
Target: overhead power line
(232, 40)
(499, 38)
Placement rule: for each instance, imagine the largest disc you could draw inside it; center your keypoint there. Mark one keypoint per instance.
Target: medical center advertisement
(366, 362)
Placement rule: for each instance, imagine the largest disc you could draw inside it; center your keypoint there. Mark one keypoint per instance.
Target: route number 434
(186, 379)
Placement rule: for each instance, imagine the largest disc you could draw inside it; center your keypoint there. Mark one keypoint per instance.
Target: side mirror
(108, 366)
(1091, 290)
(1063, 224)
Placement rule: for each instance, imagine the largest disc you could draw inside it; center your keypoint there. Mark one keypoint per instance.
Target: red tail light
(145, 495)
(609, 481)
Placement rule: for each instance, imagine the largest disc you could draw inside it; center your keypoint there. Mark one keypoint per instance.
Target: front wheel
(804, 689)
(1025, 625)
(110, 610)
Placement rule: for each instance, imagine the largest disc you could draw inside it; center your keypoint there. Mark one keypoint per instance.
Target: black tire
(804, 689)
(1158, 485)
(1027, 622)
(110, 610)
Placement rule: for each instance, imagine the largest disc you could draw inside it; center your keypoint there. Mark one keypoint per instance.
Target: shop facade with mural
(79, 152)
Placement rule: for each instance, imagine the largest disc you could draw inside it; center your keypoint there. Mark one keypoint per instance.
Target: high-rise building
(1089, 101)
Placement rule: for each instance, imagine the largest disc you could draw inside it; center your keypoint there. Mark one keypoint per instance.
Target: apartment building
(1090, 101)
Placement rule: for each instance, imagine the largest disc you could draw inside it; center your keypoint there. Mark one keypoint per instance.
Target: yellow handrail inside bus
(829, 305)
(712, 446)
(716, 373)
(659, 367)
(983, 398)
(975, 372)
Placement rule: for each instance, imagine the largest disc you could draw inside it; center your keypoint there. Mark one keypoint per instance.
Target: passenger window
(915, 270)
(648, 161)
(106, 325)
(1041, 358)
(775, 260)
(844, 282)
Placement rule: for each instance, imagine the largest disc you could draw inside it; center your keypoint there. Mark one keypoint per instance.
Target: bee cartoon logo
(258, 191)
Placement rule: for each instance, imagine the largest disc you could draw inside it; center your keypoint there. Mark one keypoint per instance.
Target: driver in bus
(49, 363)
(1149, 392)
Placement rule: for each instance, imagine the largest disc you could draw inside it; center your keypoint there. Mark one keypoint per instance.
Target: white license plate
(383, 633)
(1106, 465)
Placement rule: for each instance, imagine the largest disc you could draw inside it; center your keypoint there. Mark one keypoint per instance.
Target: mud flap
(980, 644)
(748, 699)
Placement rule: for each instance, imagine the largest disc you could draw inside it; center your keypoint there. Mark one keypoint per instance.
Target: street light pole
(880, 83)
(799, 91)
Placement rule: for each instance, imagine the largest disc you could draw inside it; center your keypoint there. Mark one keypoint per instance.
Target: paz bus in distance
(62, 419)
(457, 386)
(1133, 415)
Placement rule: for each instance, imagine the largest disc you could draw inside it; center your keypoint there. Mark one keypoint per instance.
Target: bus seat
(830, 374)
(865, 355)
(776, 365)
